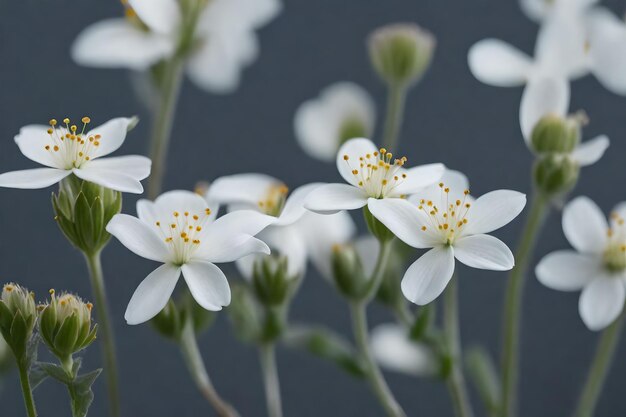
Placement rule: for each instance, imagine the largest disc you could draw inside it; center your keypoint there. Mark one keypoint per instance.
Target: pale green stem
(267, 353)
(456, 379)
(396, 97)
(105, 330)
(599, 368)
(197, 369)
(27, 391)
(162, 123)
(513, 304)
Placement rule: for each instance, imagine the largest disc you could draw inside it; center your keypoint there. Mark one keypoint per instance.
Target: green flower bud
(271, 281)
(5, 356)
(556, 134)
(376, 228)
(66, 325)
(348, 271)
(555, 174)
(352, 127)
(82, 210)
(401, 53)
(244, 314)
(18, 315)
(171, 320)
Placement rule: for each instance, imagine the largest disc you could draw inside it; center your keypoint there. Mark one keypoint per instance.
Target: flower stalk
(396, 98)
(27, 391)
(267, 355)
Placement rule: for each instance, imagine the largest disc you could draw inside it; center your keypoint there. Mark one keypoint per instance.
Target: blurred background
(450, 117)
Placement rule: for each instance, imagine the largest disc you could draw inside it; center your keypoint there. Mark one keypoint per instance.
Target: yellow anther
(423, 228)
(346, 157)
(50, 131)
(53, 122)
(158, 223)
(85, 120)
(73, 128)
(66, 121)
(173, 226)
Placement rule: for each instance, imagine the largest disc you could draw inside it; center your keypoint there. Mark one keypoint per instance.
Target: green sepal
(423, 322)
(376, 228)
(66, 337)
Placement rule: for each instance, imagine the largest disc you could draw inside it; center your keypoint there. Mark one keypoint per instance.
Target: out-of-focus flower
(179, 229)
(222, 43)
(445, 218)
(342, 111)
(394, 350)
(597, 266)
(68, 149)
(295, 233)
(373, 176)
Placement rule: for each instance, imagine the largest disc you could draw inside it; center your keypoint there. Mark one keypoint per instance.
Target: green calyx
(376, 228)
(18, 315)
(348, 272)
(170, 321)
(271, 281)
(556, 134)
(82, 211)
(555, 174)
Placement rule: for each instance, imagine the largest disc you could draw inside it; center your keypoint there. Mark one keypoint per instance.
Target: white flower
(540, 10)
(446, 219)
(342, 111)
(294, 233)
(394, 350)
(71, 149)
(179, 229)
(373, 176)
(597, 266)
(224, 37)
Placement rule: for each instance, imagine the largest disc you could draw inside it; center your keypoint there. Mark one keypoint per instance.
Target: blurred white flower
(295, 233)
(342, 111)
(225, 39)
(70, 149)
(445, 218)
(179, 229)
(373, 176)
(540, 10)
(394, 350)
(597, 266)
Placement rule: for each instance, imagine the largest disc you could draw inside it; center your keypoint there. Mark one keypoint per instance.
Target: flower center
(182, 232)
(614, 256)
(69, 147)
(274, 200)
(449, 217)
(377, 173)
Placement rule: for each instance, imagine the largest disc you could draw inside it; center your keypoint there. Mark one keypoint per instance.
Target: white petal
(247, 222)
(353, 150)
(115, 43)
(367, 247)
(207, 284)
(138, 237)
(419, 177)
(497, 63)
(601, 302)
(590, 152)
(493, 210)
(294, 206)
(33, 178)
(161, 16)
(542, 96)
(231, 248)
(109, 178)
(456, 181)
(242, 188)
(179, 200)
(287, 241)
(484, 252)
(584, 225)
(330, 198)
(393, 350)
(561, 46)
(135, 166)
(620, 210)
(607, 47)
(112, 135)
(32, 141)
(152, 294)
(427, 277)
(405, 220)
(566, 270)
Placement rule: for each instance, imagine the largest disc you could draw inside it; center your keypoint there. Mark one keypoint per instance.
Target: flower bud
(5, 356)
(244, 314)
(171, 320)
(401, 53)
(18, 315)
(556, 134)
(352, 127)
(376, 228)
(271, 280)
(348, 271)
(82, 210)
(555, 174)
(66, 326)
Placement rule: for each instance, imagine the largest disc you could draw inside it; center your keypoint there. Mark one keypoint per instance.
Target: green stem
(197, 369)
(267, 353)
(513, 304)
(379, 271)
(396, 97)
(27, 392)
(163, 122)
(599, 368)
(105, 329)
(456, 379)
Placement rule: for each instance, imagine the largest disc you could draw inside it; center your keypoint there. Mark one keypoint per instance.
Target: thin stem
(396, 96)
(513, 304)
(197, 369)
(456, 380)
(599, 368)
(27, 392)
(379, 271)
(267, 353)
(163, 122)
(105, 329)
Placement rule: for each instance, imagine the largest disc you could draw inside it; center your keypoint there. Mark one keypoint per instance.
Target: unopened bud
(348, 271)
(271, 280)
(555, 174)
(18, 315)
(556, 134)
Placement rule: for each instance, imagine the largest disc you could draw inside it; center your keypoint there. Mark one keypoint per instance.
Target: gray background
(451, 117)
